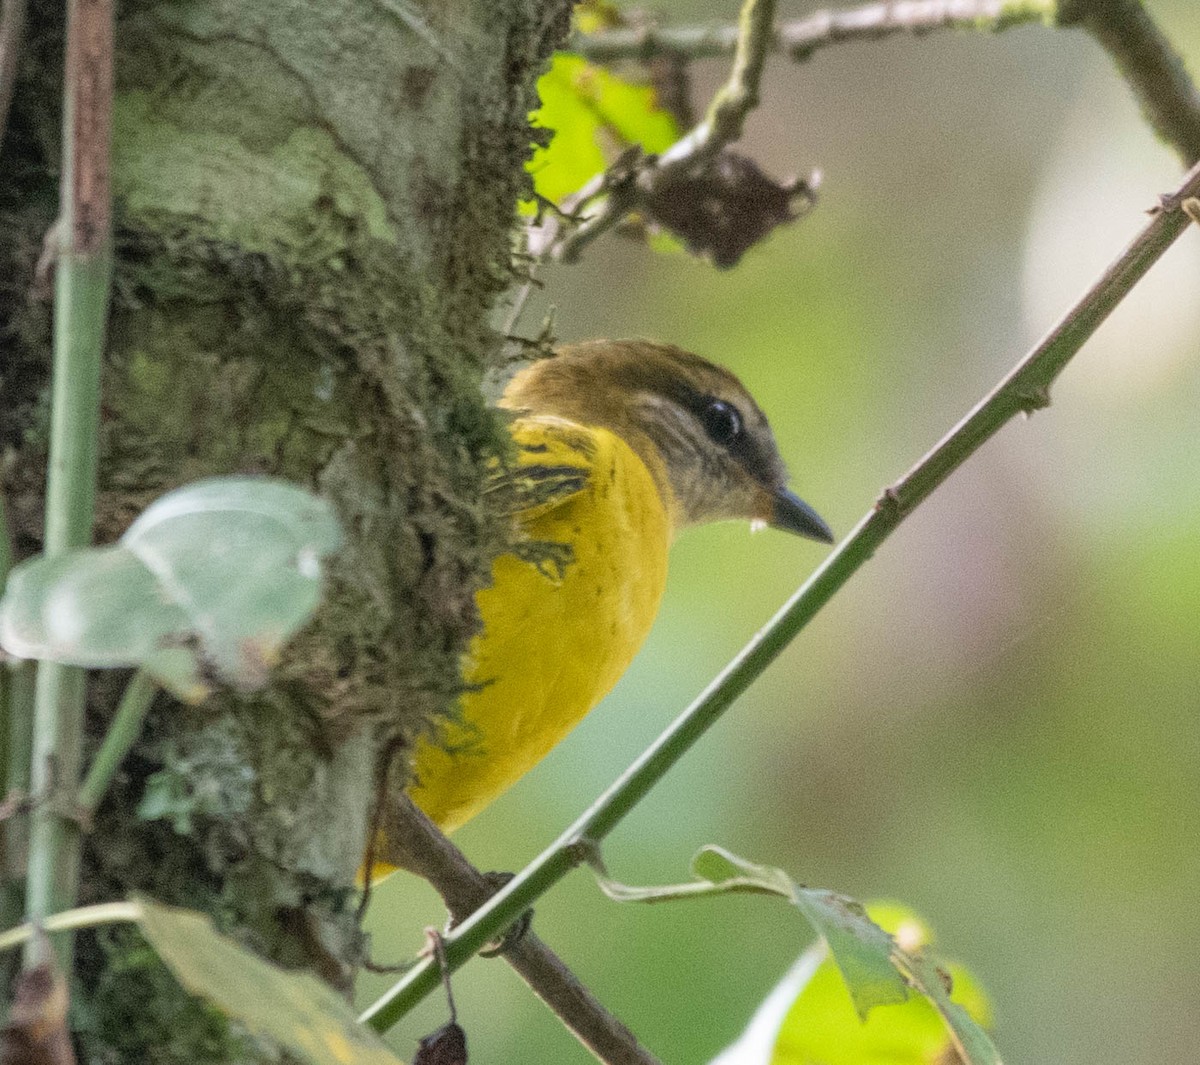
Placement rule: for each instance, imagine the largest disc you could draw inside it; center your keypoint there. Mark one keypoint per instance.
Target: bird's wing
(554, 461)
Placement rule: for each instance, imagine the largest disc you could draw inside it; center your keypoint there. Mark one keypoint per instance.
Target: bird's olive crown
(693, 423)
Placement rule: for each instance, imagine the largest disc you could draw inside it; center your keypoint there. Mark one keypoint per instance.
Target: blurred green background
(996, 722)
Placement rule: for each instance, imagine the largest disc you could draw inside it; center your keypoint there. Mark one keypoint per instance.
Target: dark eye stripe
(752, 454)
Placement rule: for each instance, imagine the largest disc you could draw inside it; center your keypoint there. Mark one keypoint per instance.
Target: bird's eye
(722, 422)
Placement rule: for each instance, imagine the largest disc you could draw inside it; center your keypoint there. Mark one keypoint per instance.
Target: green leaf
(810, 1018)
(294, 1010)
(861, 949)
(595, 115)
(939, 983)
(869, 964)
(212, 578)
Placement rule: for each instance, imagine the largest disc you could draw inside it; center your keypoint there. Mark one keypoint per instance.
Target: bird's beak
(789, 512)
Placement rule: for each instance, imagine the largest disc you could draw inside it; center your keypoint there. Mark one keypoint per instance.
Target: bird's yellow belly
(553, 642)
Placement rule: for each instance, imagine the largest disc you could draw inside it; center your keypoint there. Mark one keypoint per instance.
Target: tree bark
(314, 204)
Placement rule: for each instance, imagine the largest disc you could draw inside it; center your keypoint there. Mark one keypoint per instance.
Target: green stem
(1024, 389)
(16, 725)
(122, 734)
(6, 550)
(6, 681)
(60, 690)
(19, 677)
(83, 274)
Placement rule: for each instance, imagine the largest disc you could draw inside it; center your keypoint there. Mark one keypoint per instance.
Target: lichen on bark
(314, 207)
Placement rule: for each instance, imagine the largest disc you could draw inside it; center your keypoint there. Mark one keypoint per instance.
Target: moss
(226, 360)
(138, 1012)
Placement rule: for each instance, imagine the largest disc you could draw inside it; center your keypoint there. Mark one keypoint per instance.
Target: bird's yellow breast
(558, 632)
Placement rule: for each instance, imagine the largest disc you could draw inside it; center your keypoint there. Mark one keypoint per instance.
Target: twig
(800, 38)
(80, 315)
(1024, 389)
(521, 299)
(12, 33)
(652, 185)
(18, 678)
(1149, 63)
(429, 854)
(735, 99)
(646, 178)
(434, 938)
(1147, 60)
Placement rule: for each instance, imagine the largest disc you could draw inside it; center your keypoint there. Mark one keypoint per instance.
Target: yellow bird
(620, 445)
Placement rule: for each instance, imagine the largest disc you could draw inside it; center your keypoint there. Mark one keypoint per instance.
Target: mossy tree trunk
(314, 203)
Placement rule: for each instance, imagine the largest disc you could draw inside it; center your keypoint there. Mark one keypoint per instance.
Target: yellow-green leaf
(594, 115)
(294, 1010)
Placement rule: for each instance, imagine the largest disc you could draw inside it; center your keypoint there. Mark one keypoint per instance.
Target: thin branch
(800, 38)
(645, 179)
(16, 731)
(1148, 61)
(1155, 72)
(80, 314)
(1024, 390)
(697, 167)
(12, 34)
(739, 96)
(429, 854)
(19, 679)
(6, 703)
(16, 737)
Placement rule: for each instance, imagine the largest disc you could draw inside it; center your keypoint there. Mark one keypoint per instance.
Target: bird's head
(699, 432)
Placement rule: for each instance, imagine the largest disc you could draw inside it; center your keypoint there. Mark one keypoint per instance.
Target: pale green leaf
(212, 579)
(294, 1010)
(948, 988)
(96, 608)
(861, 949)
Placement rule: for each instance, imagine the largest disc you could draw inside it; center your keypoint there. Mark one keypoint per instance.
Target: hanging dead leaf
(446, 1046)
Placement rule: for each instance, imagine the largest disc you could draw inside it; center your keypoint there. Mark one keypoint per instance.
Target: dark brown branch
(87, 202)
(429, 854)
(1147, 60)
